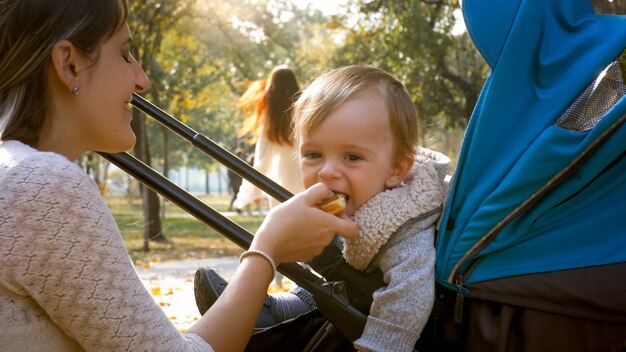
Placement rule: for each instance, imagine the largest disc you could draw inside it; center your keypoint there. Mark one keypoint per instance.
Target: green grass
(187, 236)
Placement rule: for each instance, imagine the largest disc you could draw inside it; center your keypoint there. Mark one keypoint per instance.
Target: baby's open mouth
(347, 197)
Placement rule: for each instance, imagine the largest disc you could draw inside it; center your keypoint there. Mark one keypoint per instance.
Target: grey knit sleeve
(401, 309)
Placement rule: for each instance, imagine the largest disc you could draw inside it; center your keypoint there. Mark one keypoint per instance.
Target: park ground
(171, 285)
(168, 269)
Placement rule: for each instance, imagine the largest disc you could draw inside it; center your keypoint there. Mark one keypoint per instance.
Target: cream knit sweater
(66, 281)
(396, 234)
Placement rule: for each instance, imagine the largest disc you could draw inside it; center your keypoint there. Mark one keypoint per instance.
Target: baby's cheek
(307, 179)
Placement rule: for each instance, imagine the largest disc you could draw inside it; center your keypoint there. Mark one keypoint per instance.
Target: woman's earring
(76, 90)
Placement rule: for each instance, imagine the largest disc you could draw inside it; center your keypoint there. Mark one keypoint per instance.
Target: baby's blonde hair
(326, 93)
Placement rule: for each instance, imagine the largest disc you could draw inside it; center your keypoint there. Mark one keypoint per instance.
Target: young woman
(269, 125)
(66, 281)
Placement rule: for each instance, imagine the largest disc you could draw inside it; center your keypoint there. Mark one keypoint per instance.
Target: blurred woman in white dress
(268, 123)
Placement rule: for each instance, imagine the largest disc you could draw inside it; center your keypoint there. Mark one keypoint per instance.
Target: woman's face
(98, 117)
(106, 90)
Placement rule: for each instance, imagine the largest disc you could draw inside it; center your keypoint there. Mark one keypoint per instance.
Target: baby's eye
(312, 155)
(353, 157)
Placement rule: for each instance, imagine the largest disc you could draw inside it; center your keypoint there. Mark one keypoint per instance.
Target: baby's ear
(400, 171)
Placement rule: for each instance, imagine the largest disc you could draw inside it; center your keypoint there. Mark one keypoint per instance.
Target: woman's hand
(297, 231)
(294, 231)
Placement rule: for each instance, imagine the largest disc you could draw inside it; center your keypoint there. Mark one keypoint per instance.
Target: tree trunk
(207, 183)
(219, 182)
(150, 200)
(166, 162)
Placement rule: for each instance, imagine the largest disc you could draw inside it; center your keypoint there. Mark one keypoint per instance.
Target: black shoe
(208, 286)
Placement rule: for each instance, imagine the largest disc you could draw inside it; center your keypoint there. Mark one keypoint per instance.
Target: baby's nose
(329, 170)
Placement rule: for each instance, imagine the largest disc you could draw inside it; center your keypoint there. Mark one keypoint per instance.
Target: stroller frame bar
(331, 298)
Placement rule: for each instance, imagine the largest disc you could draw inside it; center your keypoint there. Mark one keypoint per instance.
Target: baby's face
(351, 152)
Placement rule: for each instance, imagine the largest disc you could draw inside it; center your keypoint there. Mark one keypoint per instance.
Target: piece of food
(334, 205)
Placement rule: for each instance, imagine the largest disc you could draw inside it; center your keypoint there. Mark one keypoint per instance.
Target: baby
(356, 131)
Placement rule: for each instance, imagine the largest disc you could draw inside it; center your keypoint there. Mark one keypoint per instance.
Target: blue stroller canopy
(540, 109)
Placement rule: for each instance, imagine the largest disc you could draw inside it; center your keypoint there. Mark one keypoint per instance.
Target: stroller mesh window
(589, 108)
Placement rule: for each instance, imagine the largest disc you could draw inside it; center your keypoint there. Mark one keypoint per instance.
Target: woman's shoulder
(43, 185)
(20, 162)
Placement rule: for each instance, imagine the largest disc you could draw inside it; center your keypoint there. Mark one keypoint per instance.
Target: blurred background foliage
(200, 56)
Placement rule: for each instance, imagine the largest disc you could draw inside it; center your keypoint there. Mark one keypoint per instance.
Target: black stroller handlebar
(212, 149)
(331, 297)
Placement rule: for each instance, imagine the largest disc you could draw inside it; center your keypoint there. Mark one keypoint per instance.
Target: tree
(200, 54)
(149, 21)
(414, 40)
